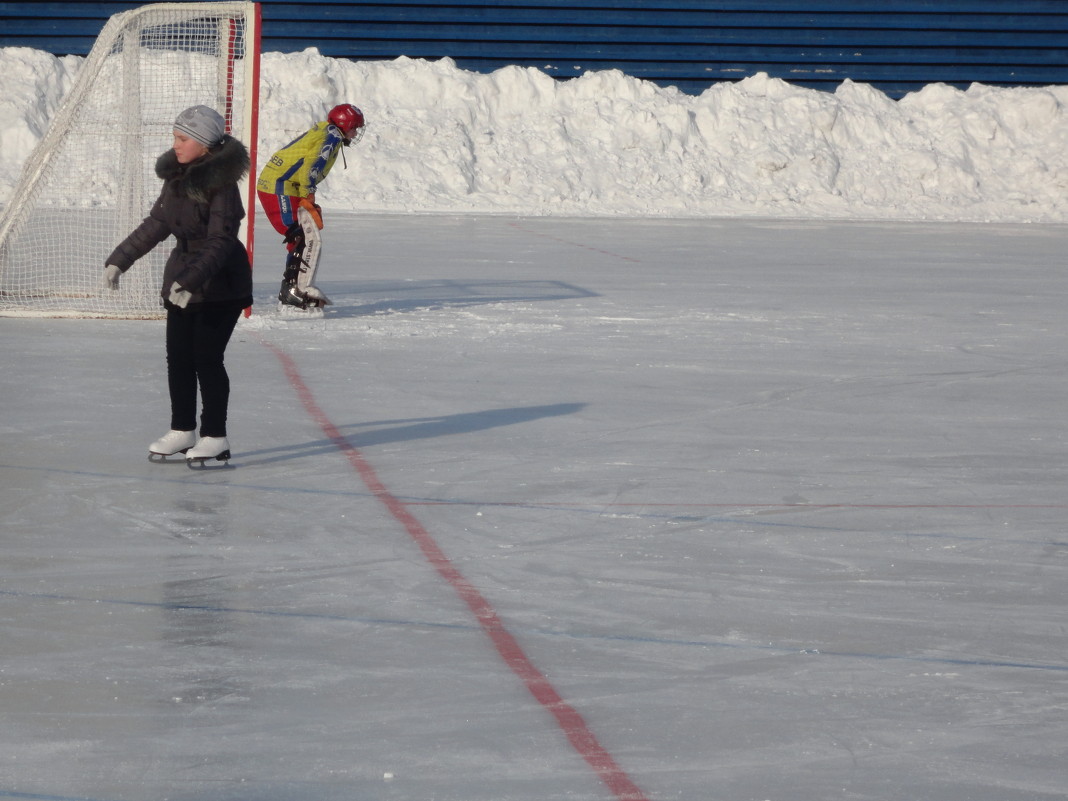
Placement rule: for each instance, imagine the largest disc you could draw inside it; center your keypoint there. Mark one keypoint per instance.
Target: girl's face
(187, 149)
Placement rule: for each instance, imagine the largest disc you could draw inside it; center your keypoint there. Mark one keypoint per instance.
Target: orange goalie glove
(313, 209)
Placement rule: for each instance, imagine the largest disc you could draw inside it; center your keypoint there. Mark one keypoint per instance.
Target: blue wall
(896, 45)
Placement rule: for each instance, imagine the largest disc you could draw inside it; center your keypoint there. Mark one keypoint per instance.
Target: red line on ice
(570, 721)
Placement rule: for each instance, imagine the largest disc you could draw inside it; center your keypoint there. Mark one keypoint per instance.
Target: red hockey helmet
(349, 120)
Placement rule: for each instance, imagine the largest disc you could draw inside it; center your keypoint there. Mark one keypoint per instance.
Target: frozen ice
(774, 506)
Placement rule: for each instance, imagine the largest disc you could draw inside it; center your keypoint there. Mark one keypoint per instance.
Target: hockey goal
(91, 179)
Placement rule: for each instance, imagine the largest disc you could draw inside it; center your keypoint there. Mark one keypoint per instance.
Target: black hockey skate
(311, 298)
(289, 295)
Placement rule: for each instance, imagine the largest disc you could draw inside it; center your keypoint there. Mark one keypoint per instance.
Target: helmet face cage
(349, 119)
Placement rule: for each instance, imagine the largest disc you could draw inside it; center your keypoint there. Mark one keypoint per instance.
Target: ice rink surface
(546, 509)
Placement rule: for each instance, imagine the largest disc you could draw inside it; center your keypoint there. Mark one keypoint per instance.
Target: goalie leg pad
(311, 246)
(303, 240)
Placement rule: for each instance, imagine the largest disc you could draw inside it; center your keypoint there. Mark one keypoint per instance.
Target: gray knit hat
(203, 124)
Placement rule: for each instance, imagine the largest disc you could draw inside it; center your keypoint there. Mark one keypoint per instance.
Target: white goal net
(91, 179)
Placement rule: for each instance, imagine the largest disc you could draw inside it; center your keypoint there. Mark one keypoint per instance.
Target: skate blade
(289, 310)
(160, 458)
(201, 462)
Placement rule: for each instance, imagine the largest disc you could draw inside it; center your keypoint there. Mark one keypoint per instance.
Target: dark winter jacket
(200, 204)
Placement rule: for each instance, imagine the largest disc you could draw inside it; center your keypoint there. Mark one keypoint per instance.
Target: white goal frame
(91, 179)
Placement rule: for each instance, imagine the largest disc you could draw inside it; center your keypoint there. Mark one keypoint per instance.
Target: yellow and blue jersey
(298, 167)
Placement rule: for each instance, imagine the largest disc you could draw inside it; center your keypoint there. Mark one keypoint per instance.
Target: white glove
(111, 276)
(179, 297)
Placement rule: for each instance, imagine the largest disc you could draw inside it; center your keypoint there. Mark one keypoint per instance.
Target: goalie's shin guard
(311, 244)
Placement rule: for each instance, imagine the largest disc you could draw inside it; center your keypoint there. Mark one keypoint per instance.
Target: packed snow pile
(517, 141)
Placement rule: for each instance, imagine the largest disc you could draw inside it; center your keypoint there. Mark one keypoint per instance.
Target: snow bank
(441, 139)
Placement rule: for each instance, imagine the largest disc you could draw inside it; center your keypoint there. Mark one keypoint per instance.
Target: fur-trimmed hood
(225, 164)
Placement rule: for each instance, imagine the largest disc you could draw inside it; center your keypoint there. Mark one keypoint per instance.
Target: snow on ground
(441, 139)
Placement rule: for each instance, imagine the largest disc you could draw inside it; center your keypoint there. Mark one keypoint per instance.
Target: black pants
(196, 342)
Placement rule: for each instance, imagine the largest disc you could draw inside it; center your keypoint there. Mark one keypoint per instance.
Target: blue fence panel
(896, 45)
